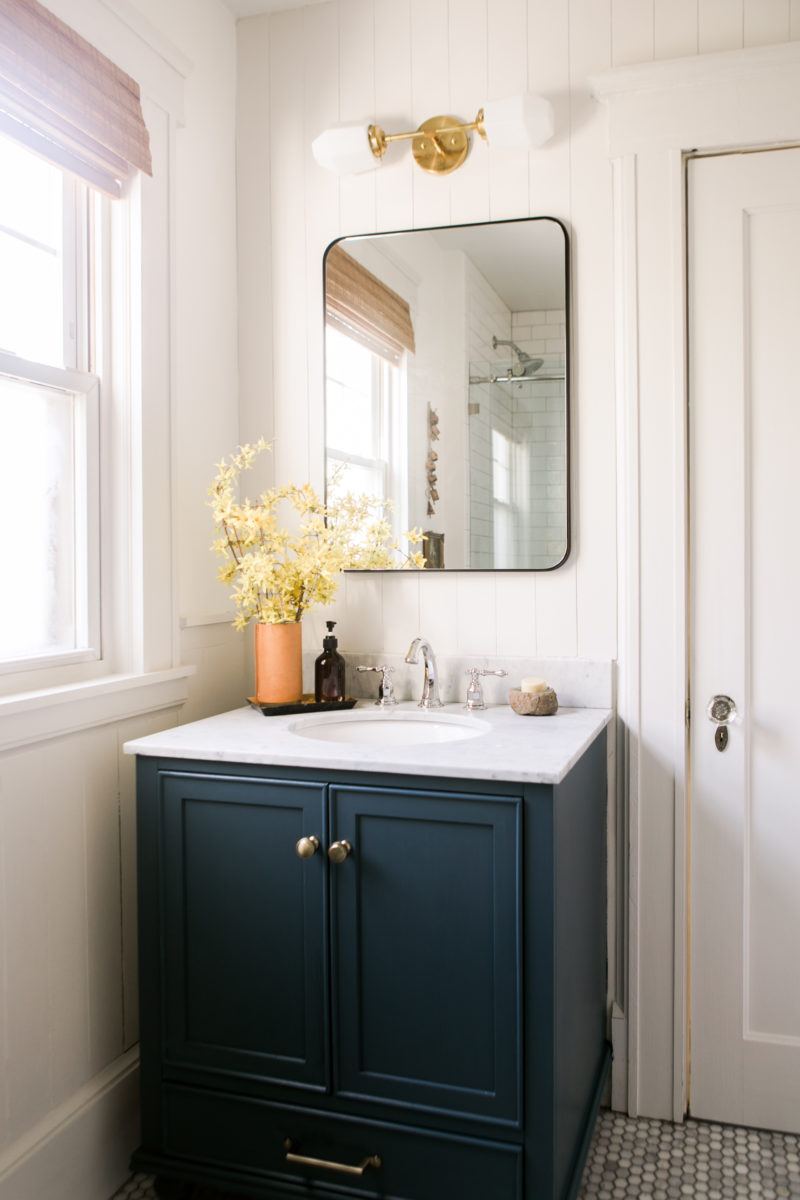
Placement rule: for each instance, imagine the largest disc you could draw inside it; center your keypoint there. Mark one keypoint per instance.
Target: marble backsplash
(579, 682)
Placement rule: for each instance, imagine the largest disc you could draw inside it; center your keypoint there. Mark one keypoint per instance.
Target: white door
(744, 392)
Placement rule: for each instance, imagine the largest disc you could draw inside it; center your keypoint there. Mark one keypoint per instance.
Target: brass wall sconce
(441, 144)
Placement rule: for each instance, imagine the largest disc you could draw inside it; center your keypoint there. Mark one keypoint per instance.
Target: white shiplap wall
(399, 61)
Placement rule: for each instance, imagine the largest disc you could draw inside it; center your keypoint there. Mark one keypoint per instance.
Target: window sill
(52, 712)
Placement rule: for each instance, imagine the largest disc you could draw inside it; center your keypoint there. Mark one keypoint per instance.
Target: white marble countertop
(508, 747)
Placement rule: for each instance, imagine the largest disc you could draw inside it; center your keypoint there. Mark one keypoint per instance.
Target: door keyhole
(721, 737)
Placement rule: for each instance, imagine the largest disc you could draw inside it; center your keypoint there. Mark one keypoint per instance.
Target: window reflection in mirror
(446, 387)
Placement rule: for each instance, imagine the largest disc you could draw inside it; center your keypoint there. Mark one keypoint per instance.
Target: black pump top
(330, 642)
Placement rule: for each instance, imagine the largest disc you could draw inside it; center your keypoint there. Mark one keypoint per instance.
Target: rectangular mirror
(446, 387)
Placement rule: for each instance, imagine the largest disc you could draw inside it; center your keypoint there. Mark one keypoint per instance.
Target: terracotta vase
(279, 663)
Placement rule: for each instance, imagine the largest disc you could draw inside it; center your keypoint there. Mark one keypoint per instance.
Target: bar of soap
(533, 686)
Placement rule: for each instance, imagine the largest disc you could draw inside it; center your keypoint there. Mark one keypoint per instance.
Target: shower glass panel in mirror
(446, 389)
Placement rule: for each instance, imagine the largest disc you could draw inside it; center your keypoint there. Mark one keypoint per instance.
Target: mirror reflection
(446, 387)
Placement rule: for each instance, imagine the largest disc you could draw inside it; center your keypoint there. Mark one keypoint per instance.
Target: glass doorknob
(721, 710)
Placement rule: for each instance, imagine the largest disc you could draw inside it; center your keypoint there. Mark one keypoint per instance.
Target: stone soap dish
(533, 704)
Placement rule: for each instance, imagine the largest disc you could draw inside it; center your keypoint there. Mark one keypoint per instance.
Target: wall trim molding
(82, 1146)
(151, 36)
(698, 70)
(709, 103)
(121, 32)
(198, 620)
(659, 114)
(36, 716)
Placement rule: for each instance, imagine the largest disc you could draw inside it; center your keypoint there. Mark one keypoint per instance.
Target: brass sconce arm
(440, 145)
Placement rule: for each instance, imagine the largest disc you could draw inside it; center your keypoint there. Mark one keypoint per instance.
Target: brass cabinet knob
(307, 847)
(339, 851)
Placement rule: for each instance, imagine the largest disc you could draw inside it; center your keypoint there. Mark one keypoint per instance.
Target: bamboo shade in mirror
(66, 101)
(364, 308)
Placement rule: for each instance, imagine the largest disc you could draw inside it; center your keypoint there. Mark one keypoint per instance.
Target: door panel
(244, 920)
(426, 950)
(744, 225)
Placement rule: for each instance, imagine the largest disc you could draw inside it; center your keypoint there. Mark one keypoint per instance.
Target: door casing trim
(661, 114)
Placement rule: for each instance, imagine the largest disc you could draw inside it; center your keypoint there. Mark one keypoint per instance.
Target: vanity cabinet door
(426, 951)
(244, 919)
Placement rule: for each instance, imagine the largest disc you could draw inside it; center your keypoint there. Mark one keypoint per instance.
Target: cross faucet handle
(386, 696)
(475, 700)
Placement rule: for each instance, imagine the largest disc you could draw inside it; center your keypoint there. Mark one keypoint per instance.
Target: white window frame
(86, 253)
(379, 400)
(141, 670)
(86, 449)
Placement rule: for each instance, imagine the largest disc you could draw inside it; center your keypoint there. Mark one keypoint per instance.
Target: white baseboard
(81, 1150)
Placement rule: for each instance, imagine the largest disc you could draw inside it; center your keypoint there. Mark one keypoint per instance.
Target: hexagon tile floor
(654, 1160)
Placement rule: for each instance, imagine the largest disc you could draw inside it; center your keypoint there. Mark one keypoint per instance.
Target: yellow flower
(279, 573)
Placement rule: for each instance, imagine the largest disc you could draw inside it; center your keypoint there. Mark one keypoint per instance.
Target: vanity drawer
(251, 1136)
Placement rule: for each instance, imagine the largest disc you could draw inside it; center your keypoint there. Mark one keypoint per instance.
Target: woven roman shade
(364, 308)
(67, 101)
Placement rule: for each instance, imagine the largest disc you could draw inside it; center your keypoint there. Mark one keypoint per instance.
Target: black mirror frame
(567, 382)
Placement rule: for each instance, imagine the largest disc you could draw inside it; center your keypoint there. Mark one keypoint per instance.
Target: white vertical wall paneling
(400, 609)
(322, 86)
(631, 30)
(430, 83)
(658, 421)
(62, 873)
(477, 613)
(794, 20)
(154, 399)
(362, 619)
(593, 407)
(394, 183)
(508, 75)
(469, 87)
(357, 103)
(287, 171)
(549, 73)
(766, 22)
(101, 817)
(550, 195)
(516, 614)
(26, 1051)
(551, 192)
(676, 28)
(255, 267)
(624, 1087)
(720, 25)
(438, 613)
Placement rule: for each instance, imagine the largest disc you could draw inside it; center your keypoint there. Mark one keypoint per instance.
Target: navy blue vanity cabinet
(243, 996)
(426, 950)
(420, 1017)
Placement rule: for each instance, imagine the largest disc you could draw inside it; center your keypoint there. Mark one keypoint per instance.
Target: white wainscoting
(400, 61)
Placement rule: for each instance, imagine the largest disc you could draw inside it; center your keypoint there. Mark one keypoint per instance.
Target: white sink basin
(376, 728)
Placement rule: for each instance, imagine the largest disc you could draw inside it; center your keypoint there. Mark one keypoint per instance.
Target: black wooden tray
(307, 704)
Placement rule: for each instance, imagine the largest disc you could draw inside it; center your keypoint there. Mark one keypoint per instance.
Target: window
(361, 400)
(503, 514)
(49, 415)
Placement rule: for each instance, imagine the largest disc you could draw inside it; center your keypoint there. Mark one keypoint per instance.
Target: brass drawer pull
(304, 1160)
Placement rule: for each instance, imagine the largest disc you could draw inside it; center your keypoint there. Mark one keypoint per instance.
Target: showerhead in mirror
(527, 364)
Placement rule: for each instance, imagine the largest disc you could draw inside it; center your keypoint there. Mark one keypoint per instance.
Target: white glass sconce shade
(345, 149)
(519, 122)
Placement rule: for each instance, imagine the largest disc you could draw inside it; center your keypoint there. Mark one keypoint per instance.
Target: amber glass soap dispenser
(329, 670)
